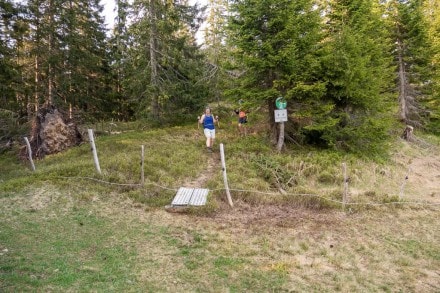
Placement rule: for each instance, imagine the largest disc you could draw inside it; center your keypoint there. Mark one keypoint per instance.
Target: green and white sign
(280, 115)
(281, 103)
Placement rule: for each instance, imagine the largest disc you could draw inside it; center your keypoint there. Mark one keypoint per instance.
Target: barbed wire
(264, 192)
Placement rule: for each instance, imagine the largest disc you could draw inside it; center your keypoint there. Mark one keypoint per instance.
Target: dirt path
(212, 165)
(422, 173)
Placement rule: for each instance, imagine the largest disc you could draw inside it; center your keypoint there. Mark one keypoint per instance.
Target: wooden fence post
(95, 154)
(402, 187)
(345, 192)
(28, 146)
(142, 166)
(225, 178)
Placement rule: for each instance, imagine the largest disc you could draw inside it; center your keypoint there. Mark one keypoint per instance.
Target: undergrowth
(173, 156)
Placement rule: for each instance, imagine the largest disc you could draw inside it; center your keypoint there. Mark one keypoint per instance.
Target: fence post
(345, 192)
(402, 187)
(28, 146)
(225, 178)
(142, 166)
(95, 154)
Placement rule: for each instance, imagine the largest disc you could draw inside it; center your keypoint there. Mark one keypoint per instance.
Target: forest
(350, 71)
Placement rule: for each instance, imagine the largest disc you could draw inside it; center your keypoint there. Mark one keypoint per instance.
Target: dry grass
(248, 248)
(75, 235)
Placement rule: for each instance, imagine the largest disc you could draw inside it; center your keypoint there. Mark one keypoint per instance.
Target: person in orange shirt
(242, 120)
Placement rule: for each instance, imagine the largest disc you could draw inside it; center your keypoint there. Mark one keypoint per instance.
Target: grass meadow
(66, 228)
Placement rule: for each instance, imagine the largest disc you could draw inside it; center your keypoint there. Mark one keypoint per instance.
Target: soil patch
(211, 166)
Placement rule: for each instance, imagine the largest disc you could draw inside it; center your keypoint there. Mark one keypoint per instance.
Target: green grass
(67, 228)
(63, 252)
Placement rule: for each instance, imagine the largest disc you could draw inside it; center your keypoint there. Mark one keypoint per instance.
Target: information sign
(281, 103)
(281, 115)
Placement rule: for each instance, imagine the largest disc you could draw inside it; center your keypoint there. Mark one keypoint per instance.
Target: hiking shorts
(209, 133)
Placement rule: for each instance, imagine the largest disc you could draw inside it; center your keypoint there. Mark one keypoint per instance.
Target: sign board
(281, 103)
(280, 115)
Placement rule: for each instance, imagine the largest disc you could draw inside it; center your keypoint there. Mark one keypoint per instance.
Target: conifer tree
(414, 58)
(66, 45)
(84, 68)
(431, 11)
(119, 42)
(356, 68)
(275, 43)
(215, 46)
(9, 75)
(166, 66)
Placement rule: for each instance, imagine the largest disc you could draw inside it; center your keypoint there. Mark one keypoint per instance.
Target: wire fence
(342, 203)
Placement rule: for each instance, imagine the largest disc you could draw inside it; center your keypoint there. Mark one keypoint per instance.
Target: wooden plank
(198, 197)
(183, 196)
(190, 196)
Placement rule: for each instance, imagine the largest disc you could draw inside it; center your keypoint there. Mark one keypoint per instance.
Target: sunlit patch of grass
(58, 253)
(281, 267)
(304, 246)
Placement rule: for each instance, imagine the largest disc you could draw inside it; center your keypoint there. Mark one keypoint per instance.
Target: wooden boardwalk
(190, 197)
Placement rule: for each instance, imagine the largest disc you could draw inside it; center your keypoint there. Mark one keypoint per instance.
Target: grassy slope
(62, 231)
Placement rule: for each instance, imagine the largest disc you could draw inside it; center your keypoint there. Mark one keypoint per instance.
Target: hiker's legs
(242, 129)
(210, 136)
(241, 125)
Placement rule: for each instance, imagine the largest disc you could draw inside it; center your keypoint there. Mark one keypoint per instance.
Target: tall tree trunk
(49, 98)
(36, 79)
(273, 126)
(402, 83)
(153, 61)
(268, 83)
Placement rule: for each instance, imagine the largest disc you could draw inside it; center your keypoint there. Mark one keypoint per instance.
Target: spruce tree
(9, 70)
(67, 57)
(118, 44)
(83, 72)
(275, 43)
(414, 56)
(432, 103)
(356, 69)
(165, 64)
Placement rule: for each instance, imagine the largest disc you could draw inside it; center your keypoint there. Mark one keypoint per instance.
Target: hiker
(208, 121)
(242, 119)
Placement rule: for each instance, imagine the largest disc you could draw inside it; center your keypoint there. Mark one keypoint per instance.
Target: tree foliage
(11, 29)
(165, 66)
(414, 56)
(357, 72)
(333, 73)
(346, 68)
(275, 42)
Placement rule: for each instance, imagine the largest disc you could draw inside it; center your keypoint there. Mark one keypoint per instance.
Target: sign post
(280, 117)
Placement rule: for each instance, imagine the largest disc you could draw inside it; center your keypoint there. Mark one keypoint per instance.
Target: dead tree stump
(408, 133)
(52, 133)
